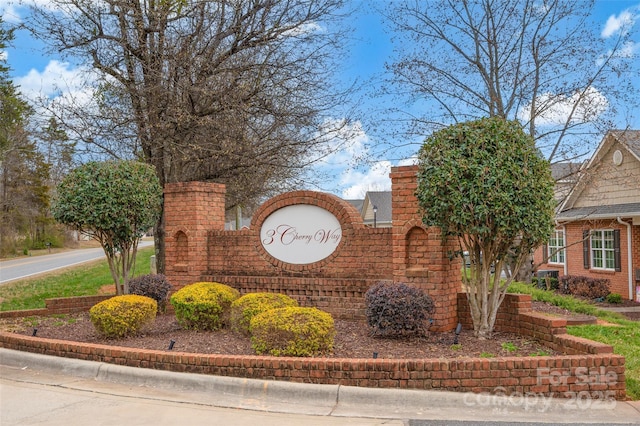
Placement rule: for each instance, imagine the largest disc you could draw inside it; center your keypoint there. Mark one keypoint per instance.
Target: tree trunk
(526, 270)
(158, 238)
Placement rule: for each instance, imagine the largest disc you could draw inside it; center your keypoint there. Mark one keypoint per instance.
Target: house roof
(357, 204)
(628, 139)
(600, 212)
(382, 201)
(565, 172)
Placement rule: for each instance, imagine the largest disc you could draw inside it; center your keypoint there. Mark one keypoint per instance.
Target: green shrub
(122, 316)
(252, 304)
(396, 309)
(155, 286)
(292, 331)
(203, 305)
(591, 288)
(614, 298)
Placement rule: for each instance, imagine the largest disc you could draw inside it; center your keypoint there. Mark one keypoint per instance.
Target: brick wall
(199, 249)
(588, 366)
(59, 305)
(516, 316)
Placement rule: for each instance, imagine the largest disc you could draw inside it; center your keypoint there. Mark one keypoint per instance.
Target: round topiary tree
(484, 183)
(115, 202)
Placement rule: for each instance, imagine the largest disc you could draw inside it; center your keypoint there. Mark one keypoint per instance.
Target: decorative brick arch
(346, 213)
(415, 250)
(182, 244)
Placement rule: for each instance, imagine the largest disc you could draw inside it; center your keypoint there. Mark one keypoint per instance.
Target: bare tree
(237, 92)
(544, 63)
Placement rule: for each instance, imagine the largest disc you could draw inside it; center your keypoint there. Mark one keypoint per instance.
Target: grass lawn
(84, 280)
(623, 335)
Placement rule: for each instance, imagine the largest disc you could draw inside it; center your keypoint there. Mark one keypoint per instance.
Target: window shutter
(545, 253)
(616, 250)
(585, 249)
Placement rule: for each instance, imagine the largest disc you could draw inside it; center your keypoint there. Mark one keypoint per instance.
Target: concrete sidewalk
(621, 309)
(194, 398)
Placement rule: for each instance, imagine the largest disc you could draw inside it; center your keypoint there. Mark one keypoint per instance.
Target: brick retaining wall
(59, 305)
(551, 376)
(516, 316)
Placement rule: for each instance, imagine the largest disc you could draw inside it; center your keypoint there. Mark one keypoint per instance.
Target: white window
(555, 248)
(603, 249)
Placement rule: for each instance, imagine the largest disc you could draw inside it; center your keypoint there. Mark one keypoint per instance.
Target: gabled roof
(565, 172)
(382, 201)
(357, 204)
(628, 139)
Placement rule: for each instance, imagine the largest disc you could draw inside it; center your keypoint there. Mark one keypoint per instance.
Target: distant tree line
(31, 163)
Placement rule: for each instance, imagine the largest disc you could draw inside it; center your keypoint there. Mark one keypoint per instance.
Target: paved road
(24, 267)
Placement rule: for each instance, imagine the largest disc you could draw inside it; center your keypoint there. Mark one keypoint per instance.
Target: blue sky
(38, 73)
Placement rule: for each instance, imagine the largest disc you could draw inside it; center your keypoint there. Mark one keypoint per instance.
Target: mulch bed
(352, 340)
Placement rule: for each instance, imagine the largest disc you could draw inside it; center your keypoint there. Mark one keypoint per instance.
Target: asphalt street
(24, 267)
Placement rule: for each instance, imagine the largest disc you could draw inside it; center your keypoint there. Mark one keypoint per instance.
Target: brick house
(598, 223)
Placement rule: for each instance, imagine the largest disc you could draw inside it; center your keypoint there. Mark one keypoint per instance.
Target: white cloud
(556, 109)
(411, 161)
(346, 151)
(619, 24)
(13, 11)
(374, 179)
(57, 79)
(306, 28)
(10, 12)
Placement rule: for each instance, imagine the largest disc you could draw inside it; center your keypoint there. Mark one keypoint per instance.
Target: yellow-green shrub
(252, 304)
(203, 305)
(122, 316)
(292, 331)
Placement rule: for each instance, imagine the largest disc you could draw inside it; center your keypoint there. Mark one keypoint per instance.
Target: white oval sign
(300, 234)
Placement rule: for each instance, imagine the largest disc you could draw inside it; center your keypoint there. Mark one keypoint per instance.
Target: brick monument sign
(314, 247)
(311, 246)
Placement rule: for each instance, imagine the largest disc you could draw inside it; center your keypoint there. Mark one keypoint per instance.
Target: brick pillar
(191, 210)
(419, 256)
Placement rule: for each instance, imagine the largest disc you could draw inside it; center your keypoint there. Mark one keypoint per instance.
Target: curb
(229, 392)
(321, 400)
